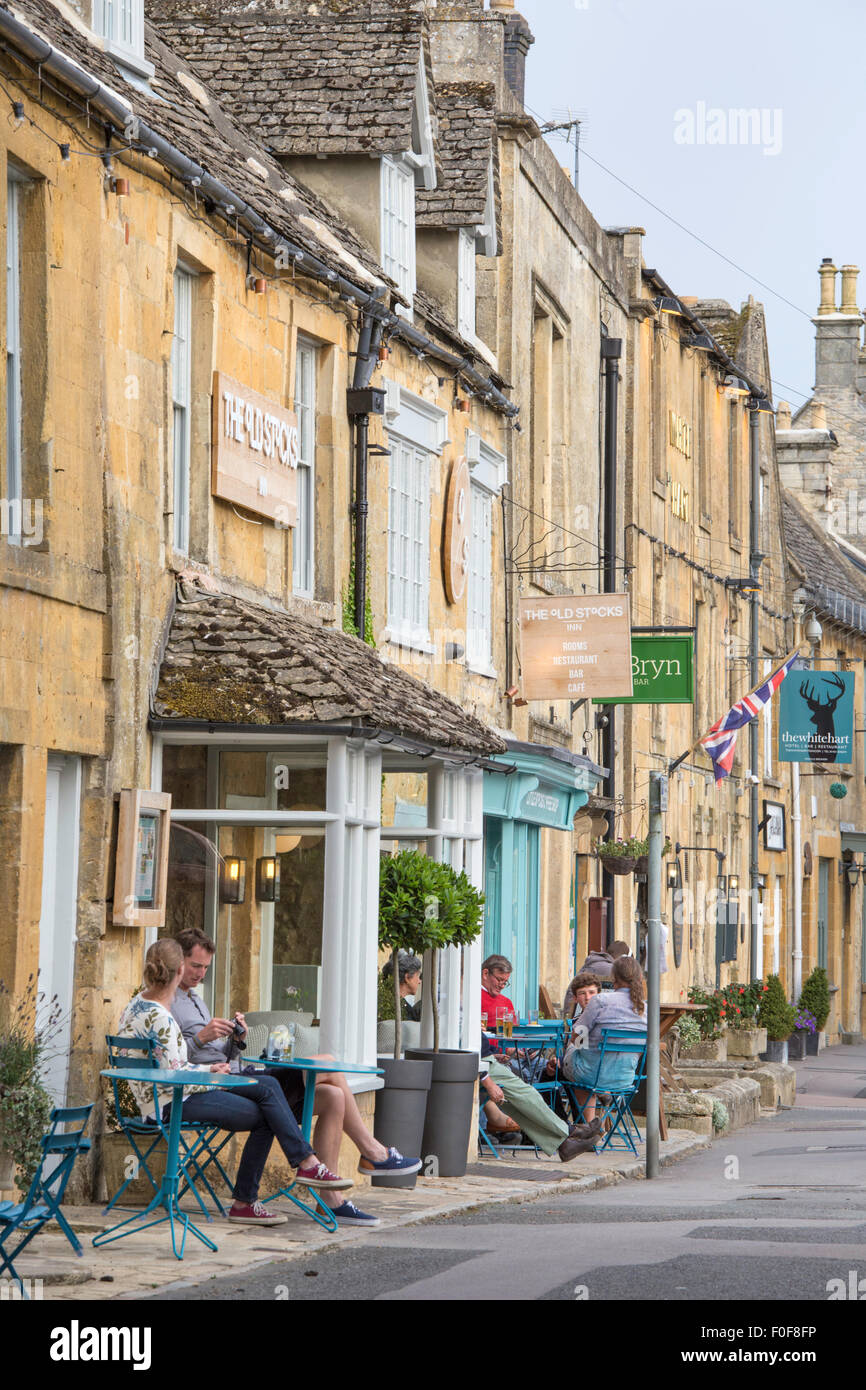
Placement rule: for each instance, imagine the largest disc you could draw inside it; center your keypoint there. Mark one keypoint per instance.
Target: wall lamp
(268, 879)
(743, 586)
(232, 879)
(733, 884)
(674, 875)
(850, 868)
(667, 305)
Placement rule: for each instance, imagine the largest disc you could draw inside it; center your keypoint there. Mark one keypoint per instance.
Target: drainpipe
(611, 351)
(360, 403)
(755, 558)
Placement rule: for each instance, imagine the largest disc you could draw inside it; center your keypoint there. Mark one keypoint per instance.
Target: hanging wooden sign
(575, 646)
(455, 551)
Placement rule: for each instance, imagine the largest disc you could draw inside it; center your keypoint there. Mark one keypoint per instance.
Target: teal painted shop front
(539, 787)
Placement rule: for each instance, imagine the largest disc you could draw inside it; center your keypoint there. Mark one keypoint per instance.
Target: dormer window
(121, 24)
(398, 223)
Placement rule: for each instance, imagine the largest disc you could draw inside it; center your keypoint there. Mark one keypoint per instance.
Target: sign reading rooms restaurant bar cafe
(575, 647)
(255, 452)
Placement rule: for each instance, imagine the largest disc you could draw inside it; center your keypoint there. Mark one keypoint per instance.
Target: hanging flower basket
(641, 864)
(618, 863)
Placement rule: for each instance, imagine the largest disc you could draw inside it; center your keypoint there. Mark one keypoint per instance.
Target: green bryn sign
(662, 669)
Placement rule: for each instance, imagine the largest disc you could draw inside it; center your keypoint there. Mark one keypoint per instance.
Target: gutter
(118, 112)
(655, 279)
(159, 724)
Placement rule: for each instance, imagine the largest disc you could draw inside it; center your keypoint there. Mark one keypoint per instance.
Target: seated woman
(260, 1107)
(623, 1007)
(409, 972)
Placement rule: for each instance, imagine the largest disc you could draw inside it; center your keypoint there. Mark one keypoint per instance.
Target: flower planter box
(746, 1042)
(797, 1045)
(710, 1050)
(776, 1050)
(814, 1043)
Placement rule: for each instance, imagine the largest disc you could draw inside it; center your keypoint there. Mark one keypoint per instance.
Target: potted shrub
(746, 1036)
(702, 1036)
(407, 887)
(25, 1106)
(437, 907)
(815, 997)
(804, 1025)
(777, 1016)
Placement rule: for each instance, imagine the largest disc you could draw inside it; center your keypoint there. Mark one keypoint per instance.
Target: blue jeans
(262, 1109)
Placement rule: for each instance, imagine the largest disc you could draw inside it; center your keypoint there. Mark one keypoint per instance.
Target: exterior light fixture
(743, 586)
(702, 341)
(65, 153)
(268, 879)
(666, 304)
(464, 406)
(17, 113)
(733, 884)
(196, 181)
(814, 632)
(673, 874)
(120, 187)
(229, 209)
(734, 386)
(257, 283)
(233, 880)
(454, 651)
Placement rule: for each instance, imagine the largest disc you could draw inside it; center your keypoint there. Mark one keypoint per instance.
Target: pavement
(143, 1263)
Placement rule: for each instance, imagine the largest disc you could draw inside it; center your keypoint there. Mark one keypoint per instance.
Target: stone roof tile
(467, 140)
(254, 666)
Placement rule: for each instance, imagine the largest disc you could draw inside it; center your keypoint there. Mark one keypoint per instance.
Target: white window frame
(408, 544)
(466, 283)
(121, 24)
(397, 214)
(14, 466)
(303, 542)
(488, 471)
(181, 398)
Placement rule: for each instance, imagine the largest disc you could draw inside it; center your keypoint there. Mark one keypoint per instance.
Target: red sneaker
(254, 1214)
(317, 1175)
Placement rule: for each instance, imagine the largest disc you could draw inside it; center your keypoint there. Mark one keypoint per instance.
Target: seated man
(512, 1106)
(495, 974)
(213, 1039)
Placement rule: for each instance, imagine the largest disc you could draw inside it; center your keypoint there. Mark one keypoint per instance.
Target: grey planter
(797, 1045)
(813, 1043)
(401, 1109)
(449, 1109)
(776, 1051)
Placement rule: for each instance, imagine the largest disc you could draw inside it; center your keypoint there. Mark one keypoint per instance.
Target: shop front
(533, 789)
(295, 758)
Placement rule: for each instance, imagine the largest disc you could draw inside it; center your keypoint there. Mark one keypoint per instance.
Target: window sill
(486, 672)
(660, 488)
(406, 641)
(127, 58)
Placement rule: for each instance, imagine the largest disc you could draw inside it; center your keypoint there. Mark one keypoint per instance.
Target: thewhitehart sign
(575, 647)
(816, 717)
(255, 452)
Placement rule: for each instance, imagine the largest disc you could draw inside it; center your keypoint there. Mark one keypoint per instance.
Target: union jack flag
(720, 742)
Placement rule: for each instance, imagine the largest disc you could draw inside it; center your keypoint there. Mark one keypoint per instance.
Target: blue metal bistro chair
(42, 1203)
(615, 1096)
(194, 1159)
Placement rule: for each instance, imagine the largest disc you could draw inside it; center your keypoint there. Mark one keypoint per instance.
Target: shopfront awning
(546, 785)
(231, 664)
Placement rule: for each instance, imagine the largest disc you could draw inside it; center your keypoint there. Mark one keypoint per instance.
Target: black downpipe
(611, 351)
(368, 351)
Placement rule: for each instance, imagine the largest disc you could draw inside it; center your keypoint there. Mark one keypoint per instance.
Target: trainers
(254, 1214)
(317, 1175)
(394, 1163)
(349, 1215)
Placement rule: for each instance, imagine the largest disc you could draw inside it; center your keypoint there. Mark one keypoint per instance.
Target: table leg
(328, 1220)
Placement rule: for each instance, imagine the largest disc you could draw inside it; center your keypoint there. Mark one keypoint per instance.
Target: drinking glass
(484, 1023)
(533, 1016)
(289, 1049)
(509, 1024)
(500, 1025)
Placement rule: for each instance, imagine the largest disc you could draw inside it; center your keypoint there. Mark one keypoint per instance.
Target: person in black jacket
(409, 971)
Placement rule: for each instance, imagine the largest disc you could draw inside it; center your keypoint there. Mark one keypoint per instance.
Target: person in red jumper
(495, 974)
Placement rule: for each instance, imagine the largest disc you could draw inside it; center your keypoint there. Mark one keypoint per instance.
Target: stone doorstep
(146, 1263)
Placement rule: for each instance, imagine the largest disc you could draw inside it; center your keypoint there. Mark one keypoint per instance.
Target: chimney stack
(837, 335)
(783, 416)
(518, 41)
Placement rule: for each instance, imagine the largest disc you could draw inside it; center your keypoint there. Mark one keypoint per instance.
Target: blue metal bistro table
(311, 1067)
(166, 1197)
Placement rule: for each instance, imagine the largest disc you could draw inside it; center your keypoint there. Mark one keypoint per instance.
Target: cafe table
(166, 1197)
(311, 1067)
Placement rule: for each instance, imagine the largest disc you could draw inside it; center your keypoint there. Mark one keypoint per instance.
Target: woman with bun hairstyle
(622, 1007)
(260, 1107)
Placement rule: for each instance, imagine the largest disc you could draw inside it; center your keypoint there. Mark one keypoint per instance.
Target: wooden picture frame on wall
(141, 869)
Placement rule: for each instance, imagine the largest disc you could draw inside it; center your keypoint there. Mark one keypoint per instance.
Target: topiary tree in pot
(815, 997)
(777, 1016)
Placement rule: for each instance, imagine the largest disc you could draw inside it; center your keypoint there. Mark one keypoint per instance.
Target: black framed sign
(774, 825)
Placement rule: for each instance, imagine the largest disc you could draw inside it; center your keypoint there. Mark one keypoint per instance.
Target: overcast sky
(652, 76)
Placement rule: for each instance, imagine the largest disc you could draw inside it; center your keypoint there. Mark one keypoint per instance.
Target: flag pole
(675, 762)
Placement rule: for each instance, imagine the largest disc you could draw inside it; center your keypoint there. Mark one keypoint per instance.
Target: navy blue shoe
(349, 1215)
(394, 1163)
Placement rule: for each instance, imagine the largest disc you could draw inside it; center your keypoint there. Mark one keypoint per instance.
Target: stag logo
(822, 744)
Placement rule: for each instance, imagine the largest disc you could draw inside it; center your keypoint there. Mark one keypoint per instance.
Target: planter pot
(641, 864)
(401, 1109)
(618, 863)
(711, 1050)
(776, 1050)
(746, 1042)
(449, 1108)
(797, 1045)
(118, 1158)
(813, 1044)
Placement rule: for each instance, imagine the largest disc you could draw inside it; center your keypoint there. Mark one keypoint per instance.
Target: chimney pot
(849, 290)
(518, 41)
(828, 273)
